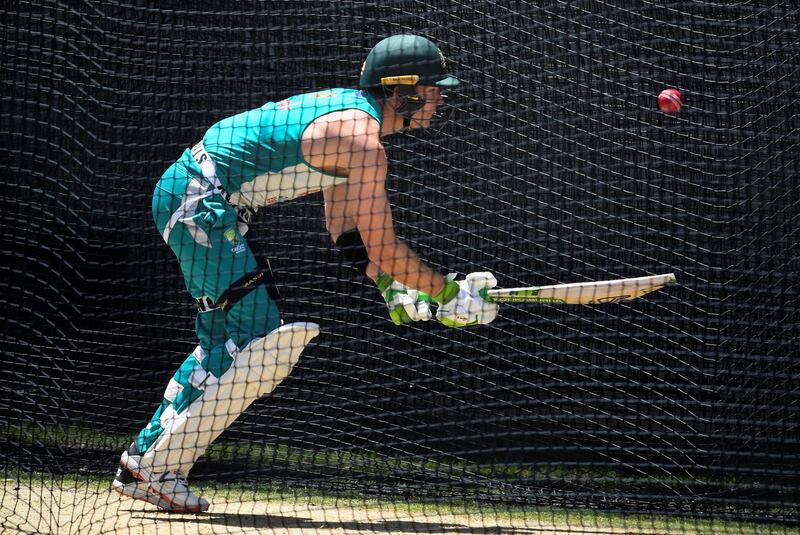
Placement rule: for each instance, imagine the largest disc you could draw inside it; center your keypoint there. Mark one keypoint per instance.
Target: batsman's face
(434, 99)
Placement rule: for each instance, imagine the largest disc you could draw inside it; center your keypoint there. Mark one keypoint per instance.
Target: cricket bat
(581, 293)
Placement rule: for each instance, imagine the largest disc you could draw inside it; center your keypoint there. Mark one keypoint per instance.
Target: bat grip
(484, 293)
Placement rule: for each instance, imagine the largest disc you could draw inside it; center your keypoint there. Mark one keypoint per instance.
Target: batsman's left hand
(405, 304)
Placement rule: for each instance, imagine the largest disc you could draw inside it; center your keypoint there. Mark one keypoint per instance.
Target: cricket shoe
(126, 484)
(167, 490)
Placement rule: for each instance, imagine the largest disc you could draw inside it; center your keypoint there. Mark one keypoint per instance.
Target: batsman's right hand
(468, 308)
(405, 304)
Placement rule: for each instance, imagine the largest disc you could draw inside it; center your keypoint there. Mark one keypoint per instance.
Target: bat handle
(484, 293)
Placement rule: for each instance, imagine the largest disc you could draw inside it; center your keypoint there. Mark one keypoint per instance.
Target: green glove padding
(405, 304)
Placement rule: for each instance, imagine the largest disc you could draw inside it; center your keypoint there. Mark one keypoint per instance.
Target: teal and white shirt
(257, 153)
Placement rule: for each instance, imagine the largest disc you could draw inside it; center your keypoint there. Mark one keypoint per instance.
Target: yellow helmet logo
(363, 66)
(442, 60)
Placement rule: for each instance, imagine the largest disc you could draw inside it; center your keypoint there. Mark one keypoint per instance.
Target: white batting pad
(256, 370)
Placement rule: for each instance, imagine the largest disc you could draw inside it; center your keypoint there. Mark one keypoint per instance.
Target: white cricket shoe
(126, 484)
(167, 490)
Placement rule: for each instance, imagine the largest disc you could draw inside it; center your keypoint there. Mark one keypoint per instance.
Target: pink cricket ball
(670, 100)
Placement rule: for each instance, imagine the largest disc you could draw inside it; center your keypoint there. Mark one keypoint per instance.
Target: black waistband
(239, 289)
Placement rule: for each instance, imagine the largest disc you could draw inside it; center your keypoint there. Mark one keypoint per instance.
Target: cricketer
(327, 141)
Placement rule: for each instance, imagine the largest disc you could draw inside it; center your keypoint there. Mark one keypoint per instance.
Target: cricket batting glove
(463, 306)
(405, 304)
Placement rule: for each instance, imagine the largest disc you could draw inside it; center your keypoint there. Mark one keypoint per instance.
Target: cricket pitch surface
(48, 509)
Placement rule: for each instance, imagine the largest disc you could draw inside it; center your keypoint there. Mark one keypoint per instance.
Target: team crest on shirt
(233, 238)
(230, 235)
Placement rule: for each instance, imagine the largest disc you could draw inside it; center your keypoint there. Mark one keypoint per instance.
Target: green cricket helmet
(405, 60)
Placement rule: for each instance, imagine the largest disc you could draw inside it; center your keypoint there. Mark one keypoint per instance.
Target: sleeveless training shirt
(258, 155)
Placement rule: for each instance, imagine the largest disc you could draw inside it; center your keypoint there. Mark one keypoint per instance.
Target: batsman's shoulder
(367, 136)
(359, 141)
(358, 129)
(348, 128)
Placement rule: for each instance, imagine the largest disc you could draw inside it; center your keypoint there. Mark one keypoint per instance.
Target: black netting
(556, 166)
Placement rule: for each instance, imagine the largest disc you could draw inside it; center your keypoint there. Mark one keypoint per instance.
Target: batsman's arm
(362, 200)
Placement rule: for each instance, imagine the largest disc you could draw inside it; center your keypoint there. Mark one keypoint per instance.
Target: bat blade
(582, 293)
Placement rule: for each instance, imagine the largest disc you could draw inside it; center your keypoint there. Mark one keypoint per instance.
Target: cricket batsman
(328, 141)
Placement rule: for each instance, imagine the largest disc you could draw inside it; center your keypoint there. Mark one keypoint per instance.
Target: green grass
(364, 464)
(429, 511)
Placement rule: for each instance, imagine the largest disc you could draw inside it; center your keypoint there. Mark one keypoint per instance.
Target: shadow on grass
(268, 521)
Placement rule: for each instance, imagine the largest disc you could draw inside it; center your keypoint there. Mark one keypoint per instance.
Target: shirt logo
(230, 235)
(233, 238)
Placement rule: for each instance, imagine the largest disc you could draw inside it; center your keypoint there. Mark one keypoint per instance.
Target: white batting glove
(468, 308)
(405, 304)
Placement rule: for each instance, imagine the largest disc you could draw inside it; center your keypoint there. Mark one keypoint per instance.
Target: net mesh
(555, 166)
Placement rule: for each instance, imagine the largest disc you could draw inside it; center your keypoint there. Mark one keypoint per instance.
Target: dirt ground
(83, 511)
